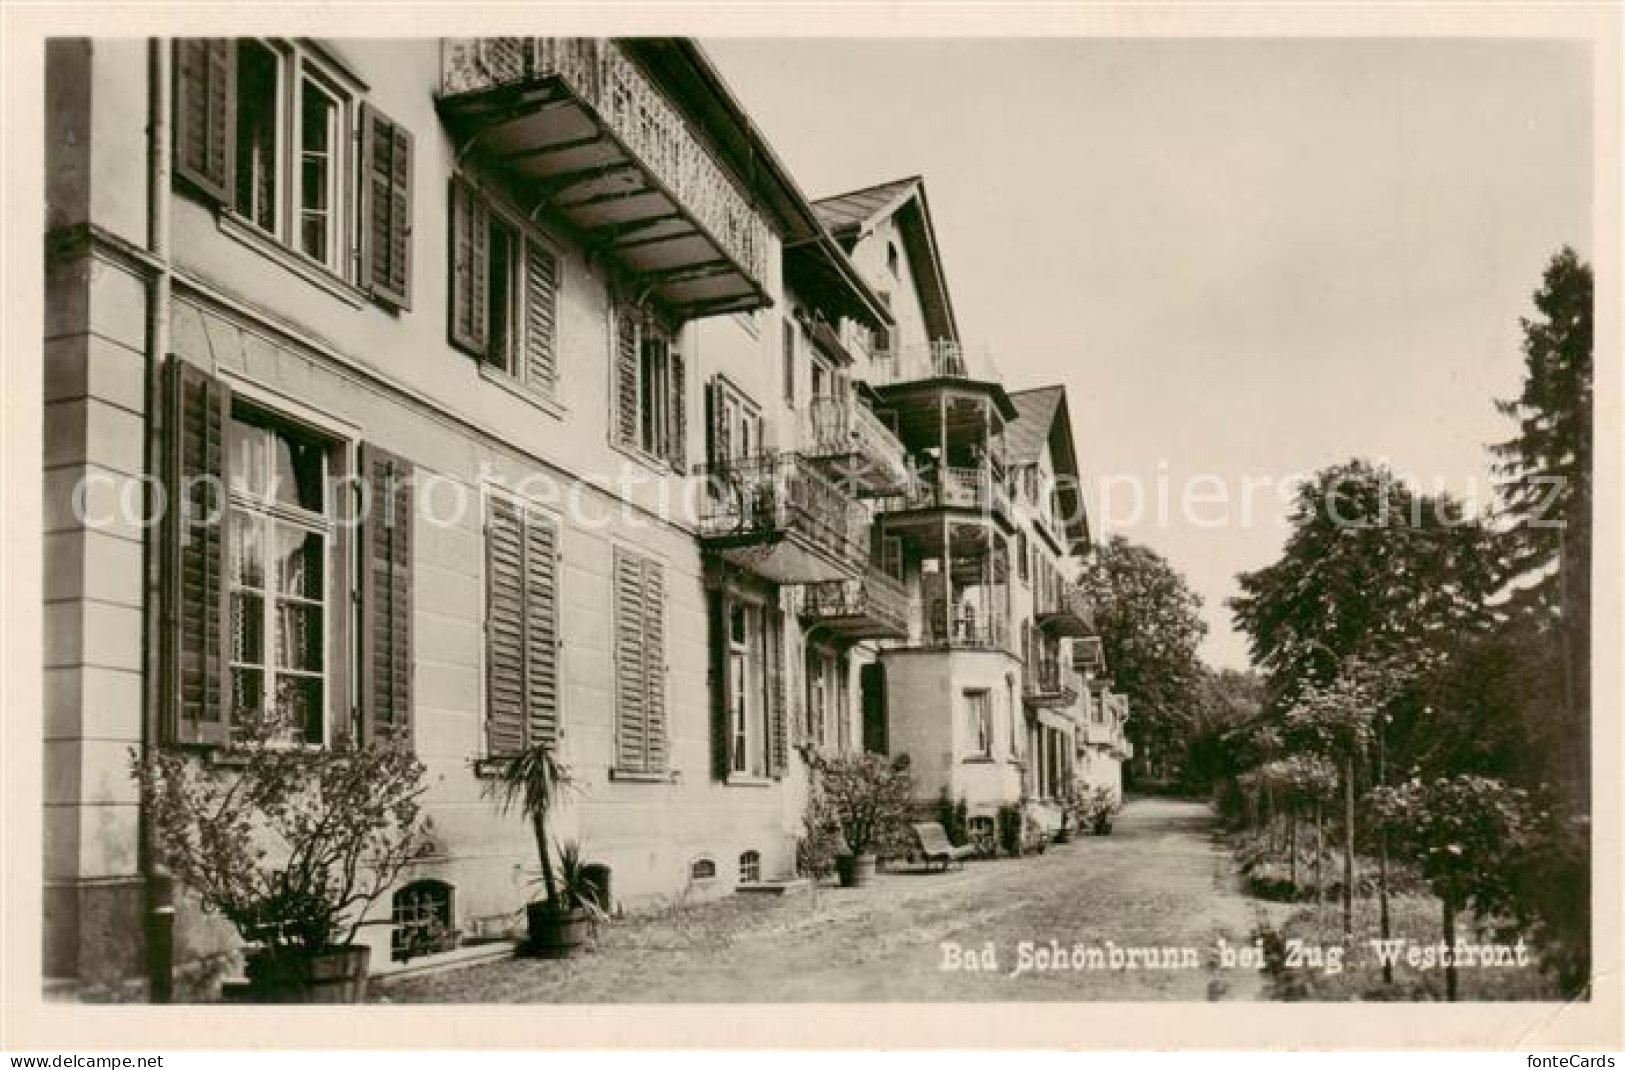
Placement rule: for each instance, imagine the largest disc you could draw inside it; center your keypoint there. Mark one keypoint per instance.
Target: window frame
(339, 602)
(978, 721)
(749, 679)
(788, 362)
(646, 326)
(297, 65)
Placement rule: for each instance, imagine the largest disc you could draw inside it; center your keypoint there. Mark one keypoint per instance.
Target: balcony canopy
(579, 130)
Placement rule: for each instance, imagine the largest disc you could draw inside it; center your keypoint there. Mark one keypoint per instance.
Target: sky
(1245, 259)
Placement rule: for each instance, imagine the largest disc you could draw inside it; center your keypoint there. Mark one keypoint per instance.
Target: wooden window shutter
(206, 114)
(654, 656)
(721, 716)
(541, 630)
(505, 689)
(778, 724)
(677, 425)
(386, 598)
(541, 312)
(197, 687)
(470, 233)
(631, 667)
(386, 208)
(625, 426)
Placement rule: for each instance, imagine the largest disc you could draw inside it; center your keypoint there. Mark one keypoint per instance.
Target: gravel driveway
(1160, 881)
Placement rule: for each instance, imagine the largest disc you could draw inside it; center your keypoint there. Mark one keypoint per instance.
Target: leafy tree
(1372, 570)
(1546, 473)
(1465, 833)
(1226, 699)
(1150, 626)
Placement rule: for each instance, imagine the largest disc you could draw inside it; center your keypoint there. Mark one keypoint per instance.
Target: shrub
(289, 845)
(865, 798)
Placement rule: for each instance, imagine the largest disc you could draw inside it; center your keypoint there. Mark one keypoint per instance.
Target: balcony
(855, 448)
(1065, 611)
(1089, 655)
(932, 360)
(779, 517)
(975, 491)
(1048, 684)
(964, 629)
(1098, 735)
(577, 128)
(874, 606)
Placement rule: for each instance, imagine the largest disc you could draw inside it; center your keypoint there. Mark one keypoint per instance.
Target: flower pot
(332, 975)
(854, 871)
(1103, 828)
(555, 934)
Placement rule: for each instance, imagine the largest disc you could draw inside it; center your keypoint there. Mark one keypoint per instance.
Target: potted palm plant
(558, 924)
(292, 846)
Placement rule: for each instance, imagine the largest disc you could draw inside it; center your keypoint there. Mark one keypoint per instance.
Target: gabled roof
(845, 213)
(1043, 419)
(1024, 440)
(848, 216)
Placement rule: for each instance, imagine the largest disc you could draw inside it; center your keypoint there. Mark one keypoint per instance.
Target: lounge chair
(935, 846)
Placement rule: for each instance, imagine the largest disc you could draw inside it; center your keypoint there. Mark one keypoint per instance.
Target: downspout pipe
(158, 885)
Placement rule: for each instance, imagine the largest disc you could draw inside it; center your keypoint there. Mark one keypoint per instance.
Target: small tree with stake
(1464, 833)
(1335, 721)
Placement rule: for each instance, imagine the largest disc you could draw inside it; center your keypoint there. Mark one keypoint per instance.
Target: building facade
(477, 393)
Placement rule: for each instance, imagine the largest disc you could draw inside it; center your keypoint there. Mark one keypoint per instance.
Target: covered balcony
(923, 507)
(873, 606)
(579, 129)
(1064, 611)
(965, 591)
(780, 518)
(851, 443)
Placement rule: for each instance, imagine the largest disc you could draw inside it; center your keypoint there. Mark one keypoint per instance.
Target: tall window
(279, 534)
(268, 130)
(289, 150)
(650, 395)
(1013, 706)
(504, 291)
(736, 424)
(979, 722)
(748, 697)
(259, 95)
(318, 172)
(826, 715)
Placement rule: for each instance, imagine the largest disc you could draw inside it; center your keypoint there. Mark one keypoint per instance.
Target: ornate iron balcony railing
(599, 73)
(868, 458)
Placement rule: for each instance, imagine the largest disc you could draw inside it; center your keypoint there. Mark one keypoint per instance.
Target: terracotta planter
(555, 934)
(854, 871)
(332, 975)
